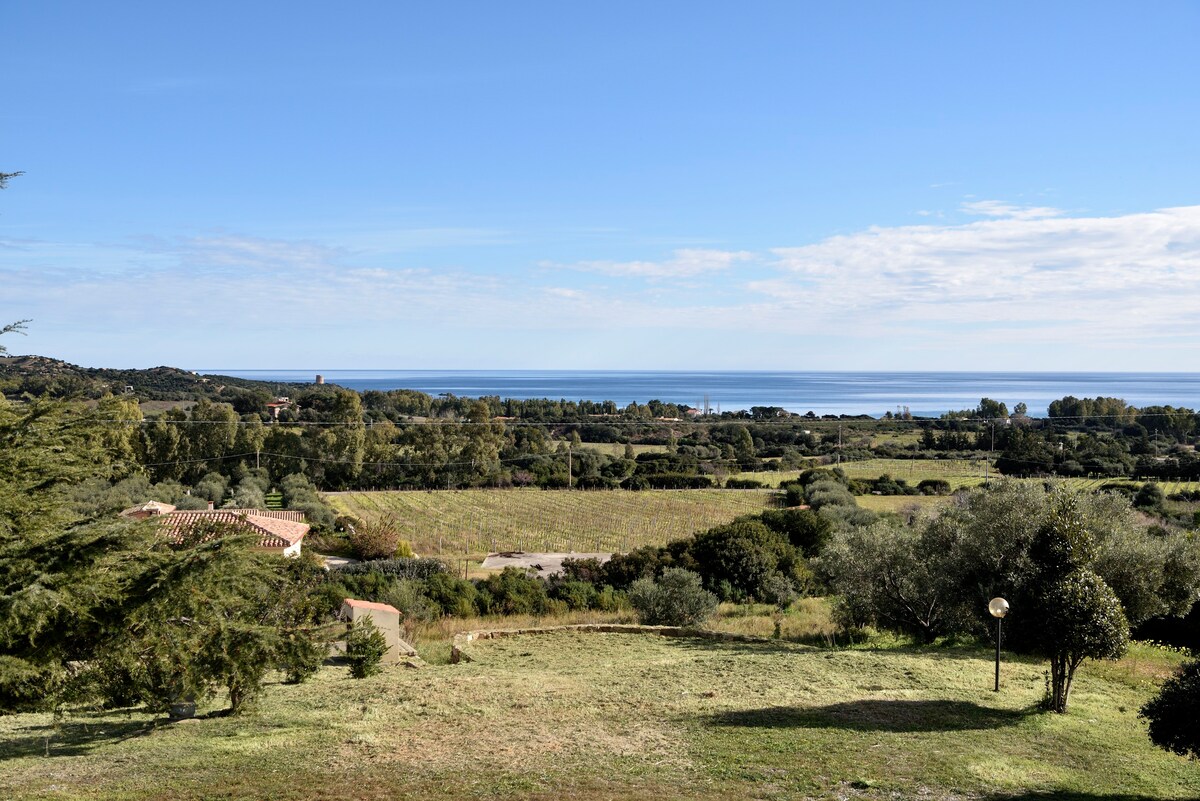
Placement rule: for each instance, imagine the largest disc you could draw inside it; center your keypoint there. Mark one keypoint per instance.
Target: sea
(925, 394)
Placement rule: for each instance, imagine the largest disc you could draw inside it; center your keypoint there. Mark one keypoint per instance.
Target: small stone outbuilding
(385, 618)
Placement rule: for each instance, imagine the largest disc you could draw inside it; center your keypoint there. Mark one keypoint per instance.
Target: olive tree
(883, 575)
(676, 598)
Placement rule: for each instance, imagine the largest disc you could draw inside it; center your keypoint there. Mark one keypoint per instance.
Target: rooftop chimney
(211, 506)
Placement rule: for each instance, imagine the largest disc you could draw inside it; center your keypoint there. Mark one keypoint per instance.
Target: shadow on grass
(876, 715)
(1065, 795)
(71, 738)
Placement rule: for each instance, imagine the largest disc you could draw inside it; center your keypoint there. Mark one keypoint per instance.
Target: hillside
(41, 375)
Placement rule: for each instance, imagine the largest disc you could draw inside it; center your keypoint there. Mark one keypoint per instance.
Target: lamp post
(999, 608)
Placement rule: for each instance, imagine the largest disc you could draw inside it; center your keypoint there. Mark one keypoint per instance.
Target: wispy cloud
(1011, 211)
(685, 263)
(1040, 287)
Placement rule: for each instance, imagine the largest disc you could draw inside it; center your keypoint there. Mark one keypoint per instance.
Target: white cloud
(1079, 278)
(999, 208)
(1042, 288)
(687, 263)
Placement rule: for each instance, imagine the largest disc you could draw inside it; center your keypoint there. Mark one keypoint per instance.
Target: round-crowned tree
(1174, 714)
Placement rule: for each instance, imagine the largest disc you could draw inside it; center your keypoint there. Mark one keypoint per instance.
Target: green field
(959, 472)
(615, 448)
(607, 716)
(477, 521)
(901, 503)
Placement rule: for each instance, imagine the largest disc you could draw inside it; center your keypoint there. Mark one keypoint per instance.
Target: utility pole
(988, 463)
(839, 448)
(569, 483)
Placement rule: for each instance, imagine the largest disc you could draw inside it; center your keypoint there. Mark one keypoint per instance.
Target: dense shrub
(1174, 713)
(793, 493)
(365, 647)
(934, 486)
(737, 559)
(300, 657)
(410, 597)
(743, 483)
(812, 476)
(453, 596)
(404, 568)
(513, 592)
(828, 493)
(803, 528)
(1150, 496)
(625, 568)
(589, 570)
(677, 598)
(575, 594)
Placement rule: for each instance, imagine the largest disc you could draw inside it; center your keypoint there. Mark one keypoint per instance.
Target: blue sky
(940, 186)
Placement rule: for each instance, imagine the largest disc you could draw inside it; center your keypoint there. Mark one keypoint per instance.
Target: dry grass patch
(459, 522)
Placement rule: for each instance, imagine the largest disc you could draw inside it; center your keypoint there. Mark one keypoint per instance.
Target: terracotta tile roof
(273, 532)
(371, 605)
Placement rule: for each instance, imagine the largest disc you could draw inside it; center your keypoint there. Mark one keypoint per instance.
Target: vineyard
(481, 521)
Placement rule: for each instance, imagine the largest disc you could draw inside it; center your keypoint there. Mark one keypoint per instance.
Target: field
(900, 503)
(959, 472)
(604, 716)
(615, 448)
(477, 521)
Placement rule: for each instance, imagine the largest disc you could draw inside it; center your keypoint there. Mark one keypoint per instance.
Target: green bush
(934, 486)
(576, 594)
(411, 598)
(513, 592)
(454, 596)
(401, 568)
(1150, 496)
(744, 553)
(589, 570)
(610, 600)
(1174, 714)
(365, 647)
(743, 483)
(804, 529)
(677, 598)
(829, 493)
(300, 656)
(625, 568)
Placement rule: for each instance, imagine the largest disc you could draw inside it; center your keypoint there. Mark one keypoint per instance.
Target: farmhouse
(280, 532)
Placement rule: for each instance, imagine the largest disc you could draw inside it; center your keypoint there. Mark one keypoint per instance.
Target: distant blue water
(926, 394)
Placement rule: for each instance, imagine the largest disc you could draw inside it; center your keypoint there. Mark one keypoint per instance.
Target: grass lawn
(600, 716)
